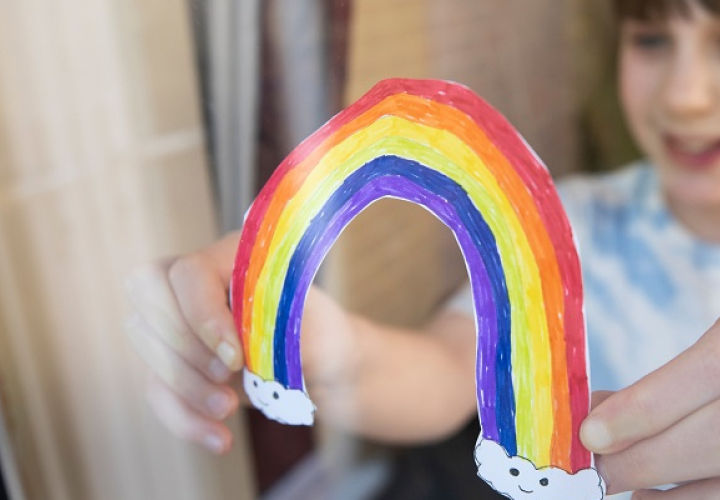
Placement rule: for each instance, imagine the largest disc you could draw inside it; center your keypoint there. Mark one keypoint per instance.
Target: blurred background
(131, 130)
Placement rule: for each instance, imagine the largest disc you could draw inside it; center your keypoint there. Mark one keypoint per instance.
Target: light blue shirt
(651, 288)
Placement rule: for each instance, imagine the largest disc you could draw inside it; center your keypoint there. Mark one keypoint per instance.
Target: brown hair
(645, 10)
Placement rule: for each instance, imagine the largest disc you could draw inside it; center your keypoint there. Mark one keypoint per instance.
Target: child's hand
(665, 428)
(183, 329)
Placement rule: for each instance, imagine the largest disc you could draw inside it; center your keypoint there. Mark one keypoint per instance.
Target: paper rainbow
(439, 145)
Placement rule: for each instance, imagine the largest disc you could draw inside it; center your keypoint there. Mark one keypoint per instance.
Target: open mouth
(693, 152)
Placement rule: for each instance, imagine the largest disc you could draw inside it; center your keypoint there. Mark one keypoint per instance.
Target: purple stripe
(403, 188)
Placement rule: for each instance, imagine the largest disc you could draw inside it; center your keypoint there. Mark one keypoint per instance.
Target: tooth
(695, 147)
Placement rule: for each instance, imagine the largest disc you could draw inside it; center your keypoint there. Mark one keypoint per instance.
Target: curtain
(102, 166)
(227, 42)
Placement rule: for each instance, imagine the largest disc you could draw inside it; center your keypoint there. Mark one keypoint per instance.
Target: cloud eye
(276, 395)
(514, 472)
(255, 383)
(544, 481)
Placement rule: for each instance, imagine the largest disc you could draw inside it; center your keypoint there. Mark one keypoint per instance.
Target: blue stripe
(481, 234)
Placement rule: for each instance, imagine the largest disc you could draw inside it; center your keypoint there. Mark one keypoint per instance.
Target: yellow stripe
(444, 152)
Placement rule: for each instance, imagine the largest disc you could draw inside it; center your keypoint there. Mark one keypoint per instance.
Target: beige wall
(102, 166)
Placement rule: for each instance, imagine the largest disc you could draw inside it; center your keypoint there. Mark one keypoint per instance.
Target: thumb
(201, 289)
(688, 381)
(599, 396)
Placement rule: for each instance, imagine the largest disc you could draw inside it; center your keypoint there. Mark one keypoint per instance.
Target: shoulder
(594, 202)
(617, 188)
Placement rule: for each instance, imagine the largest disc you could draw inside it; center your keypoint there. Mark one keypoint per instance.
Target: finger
(202, 294)
(708, 489)
(152, 297)
(687, 451)
(212, 400)
(184, 422)
(195, 352)
(689, 381)
(600, 396)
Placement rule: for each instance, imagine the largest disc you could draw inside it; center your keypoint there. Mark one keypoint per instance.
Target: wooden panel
(395, 262)
(516, 55)
(387, 39)
(102, 166)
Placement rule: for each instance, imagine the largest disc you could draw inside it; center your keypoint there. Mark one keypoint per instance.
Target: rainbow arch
(439, 145)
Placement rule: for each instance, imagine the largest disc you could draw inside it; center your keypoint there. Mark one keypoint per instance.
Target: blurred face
(670, 89)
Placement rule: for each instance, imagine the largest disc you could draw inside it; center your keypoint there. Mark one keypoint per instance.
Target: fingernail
(218, 370)
(219, 404)
(209, 335)
(595, 435)
(214, 443)
(227, 353)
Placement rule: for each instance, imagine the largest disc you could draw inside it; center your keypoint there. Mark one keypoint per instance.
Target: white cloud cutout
(517, 478)
(287, 406)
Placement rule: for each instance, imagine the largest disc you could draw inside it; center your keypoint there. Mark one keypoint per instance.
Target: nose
(691, 84)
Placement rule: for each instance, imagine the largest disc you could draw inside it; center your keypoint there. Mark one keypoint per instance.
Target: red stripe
(529, 168)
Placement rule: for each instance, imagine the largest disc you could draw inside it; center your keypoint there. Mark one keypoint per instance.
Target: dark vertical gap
(338, 18)
(271, 140)
(3, 492)
(277, 448)
(198, 18)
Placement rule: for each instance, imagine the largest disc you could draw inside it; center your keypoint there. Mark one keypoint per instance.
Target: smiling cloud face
(287, 406)
(517, 478)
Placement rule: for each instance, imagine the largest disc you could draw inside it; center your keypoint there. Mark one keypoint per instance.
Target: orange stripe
(436, 115)
(456, 122)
